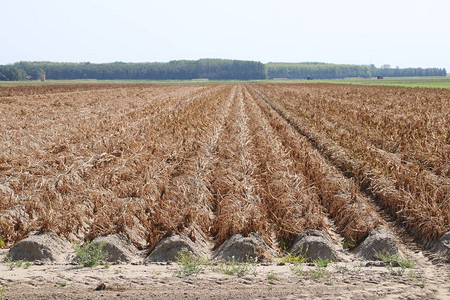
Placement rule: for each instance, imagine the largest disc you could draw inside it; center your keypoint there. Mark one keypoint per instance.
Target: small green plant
(396, 272)
(117, 272)
(290, 258)
(190, 264)
(3, 289)
(395, 260)
(297, 269)
(269, 287)
(106, 266)
(322, 262)
(272, 277)
(319, 272)
(9, 263)
(234, 267)
(357, 269)
(342, 270)
(16, 264)
(90, 254)
(2, 242)
(406, 264)
(349, 244)
(62, 284)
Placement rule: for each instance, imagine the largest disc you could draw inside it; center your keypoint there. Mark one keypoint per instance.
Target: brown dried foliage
(393, 141)
(151, 161)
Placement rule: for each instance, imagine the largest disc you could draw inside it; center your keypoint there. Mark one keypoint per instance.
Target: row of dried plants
(85, 164)
(339, 196)
(419, 198)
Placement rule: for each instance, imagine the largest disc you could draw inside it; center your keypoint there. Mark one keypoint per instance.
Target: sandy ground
(349, 280)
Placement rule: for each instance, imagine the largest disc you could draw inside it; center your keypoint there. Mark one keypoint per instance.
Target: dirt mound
(168, 248)
(119, 249)
(315, 244)
(45, 248)
(444, 246)
(379, 240)
(241, 248)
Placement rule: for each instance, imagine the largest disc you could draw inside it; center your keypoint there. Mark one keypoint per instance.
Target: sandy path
(352, 280)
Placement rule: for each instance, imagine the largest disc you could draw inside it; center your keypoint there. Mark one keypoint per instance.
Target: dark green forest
(213, 69)
(333, 71)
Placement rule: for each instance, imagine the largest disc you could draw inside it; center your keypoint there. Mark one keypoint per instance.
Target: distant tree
(12, 73)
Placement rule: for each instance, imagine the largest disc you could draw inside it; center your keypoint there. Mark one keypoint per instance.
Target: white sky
(405, 33)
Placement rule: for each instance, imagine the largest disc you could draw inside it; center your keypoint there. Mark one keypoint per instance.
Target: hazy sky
(400, 33)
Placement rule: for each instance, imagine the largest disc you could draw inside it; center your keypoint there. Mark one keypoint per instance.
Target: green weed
(297, 269)
(3, 289)
(239, 268)
(27, 265)
(272, 277)
(190, 264)
(342, 270)
(394, 259)
(90, 254)
(349, 244)
(396, 272)
(290, 258)
(322, 262)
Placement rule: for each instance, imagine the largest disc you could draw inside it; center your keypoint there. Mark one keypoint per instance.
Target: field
(420, 82)
(210, 161)
(415, 82)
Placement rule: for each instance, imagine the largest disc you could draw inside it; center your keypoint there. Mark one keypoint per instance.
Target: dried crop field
(215, 160)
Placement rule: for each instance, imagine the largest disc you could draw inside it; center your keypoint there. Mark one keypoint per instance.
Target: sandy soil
(349, 280)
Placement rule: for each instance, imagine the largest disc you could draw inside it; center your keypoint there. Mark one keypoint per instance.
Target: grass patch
(292, 259)
(318, 273)
(16, 264)
(322, 262)
(190, 264)
(238, 268)
(349, 244)
(414, 82)
(342, 270)
(396, 272)
(272, 276)
(3, 289)
(90, 254)
(395, 260)
(297, 269)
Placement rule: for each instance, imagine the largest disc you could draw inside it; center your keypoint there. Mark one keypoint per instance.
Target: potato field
(210, 161)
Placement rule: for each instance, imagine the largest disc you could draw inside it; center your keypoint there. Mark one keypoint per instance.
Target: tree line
(334, 71)
(213, 69)
(315, 70)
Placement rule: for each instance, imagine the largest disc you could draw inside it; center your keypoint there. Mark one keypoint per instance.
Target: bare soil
(349, 280)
